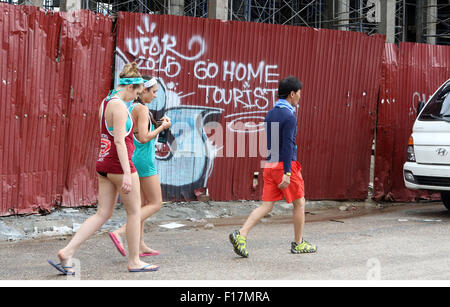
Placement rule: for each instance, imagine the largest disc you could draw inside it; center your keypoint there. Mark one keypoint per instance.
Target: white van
(427, 164)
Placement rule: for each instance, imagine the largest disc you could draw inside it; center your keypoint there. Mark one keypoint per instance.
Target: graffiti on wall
(225, 90)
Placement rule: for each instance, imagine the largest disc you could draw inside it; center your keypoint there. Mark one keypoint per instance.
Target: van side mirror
(420, 107)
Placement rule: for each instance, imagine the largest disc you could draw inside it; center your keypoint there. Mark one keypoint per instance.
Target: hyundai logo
(442, 152)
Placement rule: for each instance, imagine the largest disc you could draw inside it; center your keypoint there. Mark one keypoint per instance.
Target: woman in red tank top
(116, 174)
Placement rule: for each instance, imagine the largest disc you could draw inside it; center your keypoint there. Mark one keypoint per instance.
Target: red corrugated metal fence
(54, 68)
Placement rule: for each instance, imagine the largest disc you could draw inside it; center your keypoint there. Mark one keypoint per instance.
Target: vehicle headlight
(410, 155)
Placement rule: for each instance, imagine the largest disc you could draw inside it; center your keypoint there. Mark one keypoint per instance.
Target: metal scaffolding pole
(436, 22)
(196, 8)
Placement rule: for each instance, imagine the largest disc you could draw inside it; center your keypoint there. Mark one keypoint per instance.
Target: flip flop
(61, 268)
(144, 269)
(156, 253)
(117, 244)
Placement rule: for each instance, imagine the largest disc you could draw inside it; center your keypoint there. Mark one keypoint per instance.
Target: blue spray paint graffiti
(186, 161)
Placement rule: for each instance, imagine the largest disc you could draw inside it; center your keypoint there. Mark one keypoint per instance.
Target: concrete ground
(402, 242)
(65, 221)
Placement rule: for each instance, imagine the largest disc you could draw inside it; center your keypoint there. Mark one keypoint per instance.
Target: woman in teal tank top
(144, 153)
(144, 160)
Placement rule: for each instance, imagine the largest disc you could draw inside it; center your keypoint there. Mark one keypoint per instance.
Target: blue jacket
(287, 133)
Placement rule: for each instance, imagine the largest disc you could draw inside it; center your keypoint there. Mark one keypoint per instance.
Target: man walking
(282, 172)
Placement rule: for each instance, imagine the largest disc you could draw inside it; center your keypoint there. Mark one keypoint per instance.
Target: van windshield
(438, 108)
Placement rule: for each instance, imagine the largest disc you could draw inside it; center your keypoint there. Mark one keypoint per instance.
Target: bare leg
(107, 196)
(122, 231)
(299, 219)
(132, 203)
(255, 217)
(151, 203)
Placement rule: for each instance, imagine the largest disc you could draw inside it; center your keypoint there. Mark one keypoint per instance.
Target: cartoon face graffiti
(186, 161)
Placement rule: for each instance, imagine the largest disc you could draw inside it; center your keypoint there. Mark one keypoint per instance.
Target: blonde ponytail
(130, 70)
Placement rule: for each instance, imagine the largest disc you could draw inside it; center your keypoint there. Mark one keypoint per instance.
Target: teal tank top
(144, 153)
(128, 124)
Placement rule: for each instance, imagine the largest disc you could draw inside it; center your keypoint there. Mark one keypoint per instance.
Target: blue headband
(126, 81)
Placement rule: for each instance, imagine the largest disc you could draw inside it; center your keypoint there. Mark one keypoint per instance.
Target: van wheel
(445, 196)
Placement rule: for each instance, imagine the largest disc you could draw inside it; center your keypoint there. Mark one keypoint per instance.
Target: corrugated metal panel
(411, 72)
(28, 63)
(385, 123)
(340, 72)
(46, 146)
(91, 48)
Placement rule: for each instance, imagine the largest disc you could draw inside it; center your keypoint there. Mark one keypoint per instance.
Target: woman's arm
(143, 133)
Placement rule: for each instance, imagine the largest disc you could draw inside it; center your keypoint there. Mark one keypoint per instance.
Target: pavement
(358, 242)
(66, 221)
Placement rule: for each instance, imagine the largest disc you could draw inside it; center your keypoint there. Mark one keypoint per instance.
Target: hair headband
(150, 83)
(126, 81)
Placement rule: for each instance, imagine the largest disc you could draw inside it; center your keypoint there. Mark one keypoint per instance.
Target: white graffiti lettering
(241, 72)
(202, 70)
(232, 71)
(416, 98)
(160, 54)
(247, 98)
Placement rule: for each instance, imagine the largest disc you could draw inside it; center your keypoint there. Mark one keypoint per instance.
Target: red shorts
(273, 175)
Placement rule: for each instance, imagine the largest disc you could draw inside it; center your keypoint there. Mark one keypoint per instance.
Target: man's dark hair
(288, 85)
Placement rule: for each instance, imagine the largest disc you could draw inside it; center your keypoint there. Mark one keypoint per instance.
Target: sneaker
(239, 244)
(302, 248)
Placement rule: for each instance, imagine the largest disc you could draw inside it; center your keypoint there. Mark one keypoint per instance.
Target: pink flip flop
(117, 244)
(149, 254)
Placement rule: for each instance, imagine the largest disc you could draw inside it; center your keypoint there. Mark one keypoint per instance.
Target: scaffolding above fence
(423, 21)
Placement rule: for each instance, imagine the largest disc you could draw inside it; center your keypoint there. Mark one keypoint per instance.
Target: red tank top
(108, 160)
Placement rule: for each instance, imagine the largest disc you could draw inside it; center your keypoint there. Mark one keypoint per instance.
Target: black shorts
(103, 174)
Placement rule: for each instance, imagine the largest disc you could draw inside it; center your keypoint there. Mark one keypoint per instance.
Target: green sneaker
(239, 244)
(302, 248)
